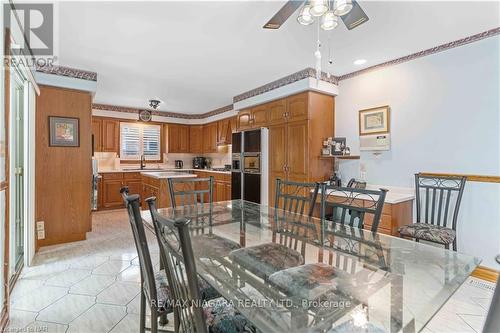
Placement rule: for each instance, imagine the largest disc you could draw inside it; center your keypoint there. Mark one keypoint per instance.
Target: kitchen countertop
(160, 170)
(166, 175)
(394, 195)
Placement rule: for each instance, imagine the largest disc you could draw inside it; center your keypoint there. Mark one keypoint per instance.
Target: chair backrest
(190, 191)
(438, 199)
(132, 203)
(349, 205)
(295, 197)
(175, 240)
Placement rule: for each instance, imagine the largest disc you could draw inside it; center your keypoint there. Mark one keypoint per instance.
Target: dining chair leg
(143, 312)
(163, 319)
(455, 245)
(154, 321)
(447, 246)
(177, 322)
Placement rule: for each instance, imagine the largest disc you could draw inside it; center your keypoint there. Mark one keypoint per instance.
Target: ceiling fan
(329, 10)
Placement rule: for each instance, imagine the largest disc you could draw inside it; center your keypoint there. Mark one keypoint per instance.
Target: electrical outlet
(41, 234)
(40, 226)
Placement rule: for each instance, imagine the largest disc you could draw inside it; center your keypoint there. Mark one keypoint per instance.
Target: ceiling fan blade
(355, 17)
(283, 14)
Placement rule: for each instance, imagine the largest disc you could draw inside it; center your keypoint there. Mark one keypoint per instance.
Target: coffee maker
(199, 162)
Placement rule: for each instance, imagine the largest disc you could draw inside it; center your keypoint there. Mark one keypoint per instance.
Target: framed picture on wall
(374, 120)
(64, 132)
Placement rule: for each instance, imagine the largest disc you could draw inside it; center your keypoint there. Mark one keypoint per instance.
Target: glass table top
(287, 273)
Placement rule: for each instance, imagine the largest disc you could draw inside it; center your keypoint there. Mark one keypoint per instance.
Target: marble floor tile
(66, 309)
(19, 319)
(67, 278)
(119, 293)
(92, 285)
(131, 274)
(100, 318)
(89, 262)
(111, 267)
(474, 321)
(38, 299)
(45, 326)
(24, 287)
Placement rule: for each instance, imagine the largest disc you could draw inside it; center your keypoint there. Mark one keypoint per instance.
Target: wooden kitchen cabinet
(297, 149)
(97, 133)
(224, 132)
(277, 111)
(111, 135)
(109, 194)
(297, 107)
(196, 139)
(222, 185)
(210, 138)
(260, 116)
(177, 138)
(243, 119)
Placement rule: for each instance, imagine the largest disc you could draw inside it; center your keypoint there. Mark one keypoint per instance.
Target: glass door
(17, 172)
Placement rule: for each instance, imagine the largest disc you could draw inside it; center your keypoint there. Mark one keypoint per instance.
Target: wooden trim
(4, 319)
(485, 273)
(471, 178)
(4, 185)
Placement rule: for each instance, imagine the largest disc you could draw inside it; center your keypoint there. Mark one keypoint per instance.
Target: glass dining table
(290, 273)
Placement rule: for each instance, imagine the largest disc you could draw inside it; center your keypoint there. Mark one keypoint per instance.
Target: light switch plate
(40, 225)
(41, 234)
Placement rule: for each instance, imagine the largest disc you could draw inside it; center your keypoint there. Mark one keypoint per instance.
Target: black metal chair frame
(348, 201)
(183, 279)
(148, 283)
(438, 186)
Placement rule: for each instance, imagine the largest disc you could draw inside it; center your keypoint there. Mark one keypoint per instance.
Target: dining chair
(437, 205)
(154, 286)
(290, 227)
(350, 205)
(194, 315)
(190, 191)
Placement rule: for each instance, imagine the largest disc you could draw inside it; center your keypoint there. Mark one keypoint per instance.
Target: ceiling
(195, 56)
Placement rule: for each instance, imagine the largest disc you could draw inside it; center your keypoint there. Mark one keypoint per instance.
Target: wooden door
(277, 156)
(243, 119)
(196, 139)
(112, 197)
(183, 139)
(297, 150)
(297, 107)
(260, 116)
(277, 111)
(111, 135)
(97, 133)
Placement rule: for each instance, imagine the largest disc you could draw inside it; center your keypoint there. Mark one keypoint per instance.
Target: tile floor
(93, 286)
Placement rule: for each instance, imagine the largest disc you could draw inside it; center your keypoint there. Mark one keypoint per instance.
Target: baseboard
(4, 319)
(485, 273)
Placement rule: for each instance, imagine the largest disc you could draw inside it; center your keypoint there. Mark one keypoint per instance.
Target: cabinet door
(210, 138)
(231, 129)
(183, 139)
(297, 149)
(173, 138)
(111, 135)
(111, 196)
(97, 133)
(278, 157)
(227, 191)
(223, 129)
(243, 119)
(99, 193)
(195, 139)
(277, 111)
(297, 107)
(260, 116)
(134, 186)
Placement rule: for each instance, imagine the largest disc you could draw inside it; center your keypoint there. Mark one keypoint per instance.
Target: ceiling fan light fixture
(342, 7)
(305, 17)
(318, 7)
(329, 21)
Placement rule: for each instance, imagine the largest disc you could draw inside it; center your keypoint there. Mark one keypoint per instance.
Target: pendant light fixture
(318, 7)
(342, 7)
(305, 17)
(329, 21)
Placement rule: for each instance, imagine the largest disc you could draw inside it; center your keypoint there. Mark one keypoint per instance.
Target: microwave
(251, 163)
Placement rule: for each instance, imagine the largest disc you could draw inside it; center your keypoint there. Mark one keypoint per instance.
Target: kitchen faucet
(143, 162)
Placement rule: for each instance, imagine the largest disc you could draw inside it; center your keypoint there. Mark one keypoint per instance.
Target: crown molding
(68, 71)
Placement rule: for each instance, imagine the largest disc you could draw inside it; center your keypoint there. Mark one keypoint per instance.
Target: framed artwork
(374, 120)
(338, 146)
(64, 132)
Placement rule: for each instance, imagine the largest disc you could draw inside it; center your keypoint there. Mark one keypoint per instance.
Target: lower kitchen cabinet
(222, 185)
(109, 194)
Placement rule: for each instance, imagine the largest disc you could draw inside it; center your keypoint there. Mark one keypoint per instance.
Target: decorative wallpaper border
(305, 73)
(106, 107)
(433, 50)
(68, 71)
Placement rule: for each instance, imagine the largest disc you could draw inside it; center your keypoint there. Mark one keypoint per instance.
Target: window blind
(139, 139)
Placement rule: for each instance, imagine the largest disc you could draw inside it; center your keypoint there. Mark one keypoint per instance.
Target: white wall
(444, 118)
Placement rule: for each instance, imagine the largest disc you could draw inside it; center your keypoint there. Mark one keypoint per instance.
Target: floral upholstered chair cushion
(221, 317)
(164, 301)
(206, 246)
(429, 232)
(351, 327)
(266, 259)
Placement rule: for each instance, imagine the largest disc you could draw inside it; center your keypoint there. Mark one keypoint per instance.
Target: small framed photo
(374, 120)
(64, 132)
(338, 146)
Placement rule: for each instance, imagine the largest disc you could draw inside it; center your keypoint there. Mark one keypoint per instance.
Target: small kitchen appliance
(199, 162)
(179, 164)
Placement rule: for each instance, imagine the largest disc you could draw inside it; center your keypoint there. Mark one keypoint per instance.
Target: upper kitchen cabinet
(111, 135)
(97, 133)
(260, 116)
(177, 138)
(210, 138)
(196, 139)
(224, 132)
(298, 106)
(243, 119)
(277, 111)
